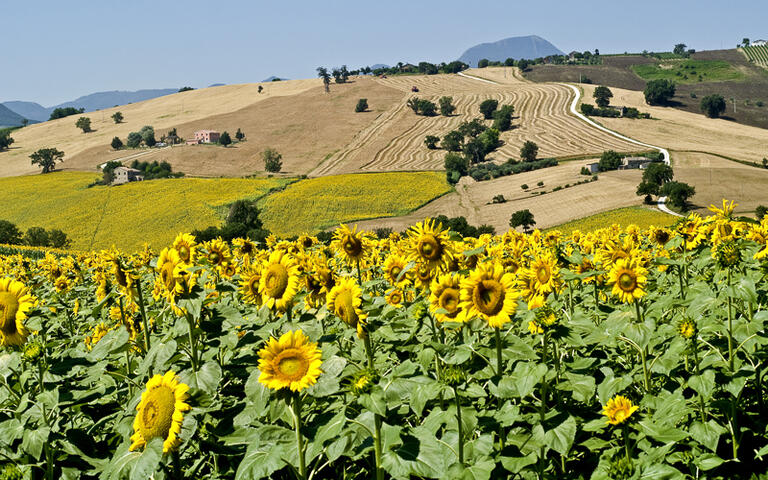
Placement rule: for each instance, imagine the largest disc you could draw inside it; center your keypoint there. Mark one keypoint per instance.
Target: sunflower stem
(696, 367)
(625, 432)
(730, 324)
(143, 315)
(176, 466)
(359, 274)
(377, 445)
(458, 423)
(543, 406)
(368, 348)
(497, 331)
(192, 341)
(299, 438)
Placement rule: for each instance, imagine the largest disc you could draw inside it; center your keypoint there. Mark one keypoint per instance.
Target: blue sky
(56, 51)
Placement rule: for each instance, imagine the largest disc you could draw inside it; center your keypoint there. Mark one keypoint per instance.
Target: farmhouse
(630, 163)
(759, 43)
(206, 136)
(125, 175)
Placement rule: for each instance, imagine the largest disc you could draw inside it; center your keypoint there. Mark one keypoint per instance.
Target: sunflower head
(453, 375)
(345, 300)
(393, 267)
(686, 328)
(33, 350)
(395, 298)
(279, 280)
(445, 294)
(291, 362)
(249, 284)
(619, 409)
(727, 254)
(15, 302)
(489, 293)
(430, 244)
(628, 279)
(726, 212)
(546, 317)
(362, 381)
(352, 244)
(186, 246)
(10, 471)
(160, 412)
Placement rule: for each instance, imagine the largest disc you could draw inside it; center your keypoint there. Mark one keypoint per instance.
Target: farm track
(541, 115)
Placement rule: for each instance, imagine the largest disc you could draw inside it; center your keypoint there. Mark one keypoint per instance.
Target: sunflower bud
(453, 375)
(32, 351)
(418, 311)
(362, 381)
(546, 317)
(727, 254)
(621, 468)
(10, 471)
(687, 328)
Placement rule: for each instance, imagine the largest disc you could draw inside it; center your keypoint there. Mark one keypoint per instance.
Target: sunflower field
(616, 354)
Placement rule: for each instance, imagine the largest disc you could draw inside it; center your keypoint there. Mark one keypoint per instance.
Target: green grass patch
(640, 216)
(689, 71)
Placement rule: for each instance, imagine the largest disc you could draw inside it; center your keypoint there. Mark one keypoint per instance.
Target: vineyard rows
(758, 54)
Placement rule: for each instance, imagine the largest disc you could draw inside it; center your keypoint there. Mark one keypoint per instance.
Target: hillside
(9, 118)
(529, 47)
(725, 72)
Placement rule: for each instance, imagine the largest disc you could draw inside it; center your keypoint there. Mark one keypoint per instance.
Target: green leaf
(582, 386)
(560, 438)
(708, 461)
(331, 429)
(34, 440)
(662, 433)
(158, 356)
(259, 461)
(206, 379)
(112, 342)
(146, 464)
(374, 401)
(526, 376)
(704, 384)
(476, 470)
(517, 464)
(707, 434)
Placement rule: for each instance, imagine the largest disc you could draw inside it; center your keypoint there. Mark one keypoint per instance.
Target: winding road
(662, 200)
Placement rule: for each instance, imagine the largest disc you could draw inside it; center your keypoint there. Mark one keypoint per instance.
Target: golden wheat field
(125, 216)
(319, 203)
(395, 141)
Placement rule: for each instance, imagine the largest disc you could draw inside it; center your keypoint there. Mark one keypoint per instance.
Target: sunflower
(446, 295)
(353, 244)
(430, 244)
(244, 247)
(186, 246)
(291, 362)
(217, 252)
(545, 274)
(249, 284)
(489, 293)
(619, 409)
(393, 267)
(97, 334)
(726, 212)
(306, 241)
(686, 328)
(726, 253)
(628, 279)
(279, 281)
(161, 412)
(344, 300)
(15, 302)
(174, 278)
(395, 298)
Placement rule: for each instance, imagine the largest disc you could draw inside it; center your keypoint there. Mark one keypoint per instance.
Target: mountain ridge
(528, 47)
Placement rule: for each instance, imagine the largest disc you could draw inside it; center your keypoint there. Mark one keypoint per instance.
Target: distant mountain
(379, 65)
(217, 84)
(9, 118)
(29, 110)
(94, 101)
(529, 47)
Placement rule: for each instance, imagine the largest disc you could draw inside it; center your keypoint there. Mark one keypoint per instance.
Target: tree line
(33, 237)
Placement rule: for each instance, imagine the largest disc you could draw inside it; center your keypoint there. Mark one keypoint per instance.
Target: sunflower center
(215, 258)
(9, 305)
(394, 272)
(345, 308)
(157, 414)
(542, 274)
(253, 284)
(276, 280)
(292, 365)
(449, 300)
(396, 297)
(352, 246)
(184, 253)
(489, 297)
(627, 282)
(430, 248)
(424, 274)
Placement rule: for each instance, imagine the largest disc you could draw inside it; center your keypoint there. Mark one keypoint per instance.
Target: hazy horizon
(62, 51)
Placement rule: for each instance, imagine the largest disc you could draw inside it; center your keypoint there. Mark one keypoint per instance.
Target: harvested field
(678, 130)
(309, 206)
(716, 178)
(163, 113)
(396, 140)
(126, 216)
(473, 199)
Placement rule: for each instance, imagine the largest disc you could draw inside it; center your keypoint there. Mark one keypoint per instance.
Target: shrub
(431, 141)
(529, 151)
(133, 140)
(5, 139)
(272, 160)
(427, 108)
(502, 118)
(659, 92)
(117, 144)
(585, 171)
(587, 108)
(761, 211)
(36, 237)
(9, 233)
(239, 135)
(117, 117)
(713, 105)
(446, 106)
(499, 199)
(488, 107)
(609, 160)
(455, 166)
(362, 105)
(84, 123)
(540, 184)
(524, 186)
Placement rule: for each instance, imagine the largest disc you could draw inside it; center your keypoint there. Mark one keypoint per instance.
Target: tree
(678, 193)
(272, 160)
(713, 105)
(84, 123)
(472, 128)
(147, 133)
(362, 105)
(456, 166)
(679, 49)
(9, 233)
(427, 108)
(609, 160)
(117, 117)
(62, 112)
(745, 42)
(522, 218)
(117, 144)
(602, 96)
(322, 72)
(431, 141)
(482, 63)
(108, 172)
(523, 64)
(225, 139)
(453, 141)
(587, 109)
(413, 104)
(24, 122)
(490, 140)
(5, 140)
(474, 150)
(765, 162)
(57, 239)
(656, 175)
(185, 89)
(239, 135)
(529, 151)
(488, 107)
(261, 89)
(446, 106)
(47, 158)
(510, 62)
(133, 140)
(36, 237)
(760, 212)
(502, 118)
(659, 92)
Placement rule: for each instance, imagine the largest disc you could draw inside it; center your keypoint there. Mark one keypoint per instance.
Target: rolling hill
(529, 47)
(9, 118)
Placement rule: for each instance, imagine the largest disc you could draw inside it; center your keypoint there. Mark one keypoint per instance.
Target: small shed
(759, 43)
(593, 167)
(125, 175)
(632, 163)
